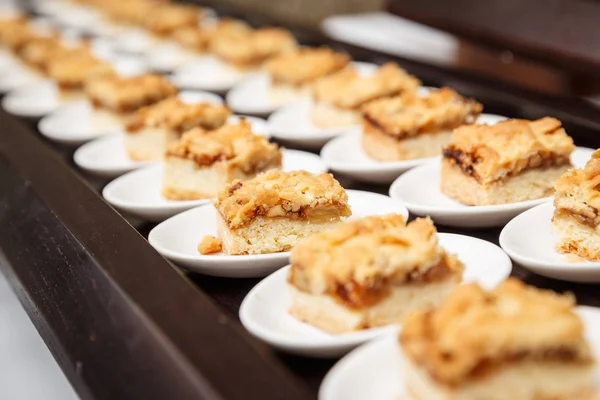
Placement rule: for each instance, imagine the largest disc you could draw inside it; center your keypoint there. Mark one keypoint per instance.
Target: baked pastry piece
(412, 126)
(198, 38)
(293, 72)
(153, 128)
(339, 97)
(369, 272)
(511, 161)
(577, 210)
(203, 162)
(122, 96)
(15, 33)
(249, 49)
(39, 51)
(167, 18)
(511, 343)
(130, 11)
(275, 210)
(70, 72)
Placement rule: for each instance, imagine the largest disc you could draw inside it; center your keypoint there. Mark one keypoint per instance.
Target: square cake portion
(152, 129)
(39, 51)
(275, 210)
(122, 96)
(203, 162)
(339, 97)
(511, 161)
(412, 126)
(15, 33)
(249, 49)
(198, 38)
(370, 272)
(511, 343)
(70, 72)
(167, 18)
(293, 72)
(577, 211)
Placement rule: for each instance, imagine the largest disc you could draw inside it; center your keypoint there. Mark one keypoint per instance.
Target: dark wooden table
(124, 323)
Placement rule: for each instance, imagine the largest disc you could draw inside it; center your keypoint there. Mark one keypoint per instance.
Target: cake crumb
(209, 245)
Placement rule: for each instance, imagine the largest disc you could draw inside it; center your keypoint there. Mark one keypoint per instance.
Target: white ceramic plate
(169, 56)
(106, 156)
(374, 371)
(207, 73)
(177, 239)
(264, 311)
(530, 240)
(135, 41)
(78, 122)
(139, 192)
(344, 155)
(16, 75)
(420, 190)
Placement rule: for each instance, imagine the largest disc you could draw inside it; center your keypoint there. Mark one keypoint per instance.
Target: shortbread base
(326, 313)
(576, 238)
(517, 381)
(528, 185)
(268, 235)
(383, 147)
(184, 180)
(325, 115)
(148, 144)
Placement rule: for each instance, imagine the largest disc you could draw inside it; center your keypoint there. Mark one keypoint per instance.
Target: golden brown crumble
(167, 18)
(410, 115)
(235, 145)
(297, 194)
(198, 38)
(347, 89)
(128, 94)
(250, 49)
(304, 65)
(175, 115)
(358, 260)
(210, 245)
(508, 147)
(476, 330)
(72, 71)
(15, 32)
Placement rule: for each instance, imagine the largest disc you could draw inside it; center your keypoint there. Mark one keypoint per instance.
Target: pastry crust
(577, 210)
(305, 65)
(477, 333)
(125, 95)
(274, 194)
(251, 49)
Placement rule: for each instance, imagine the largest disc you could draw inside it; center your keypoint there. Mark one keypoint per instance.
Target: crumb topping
(347, 89)
(250, 49)
(15, 32)
(475, 330)
(39, 51)
(509, 147)
(210, 245)
(235, 145)
(72, 71)
(198, 38)
(175, 115)
(410, 115)
(128, 94)
(297, 194)
(306, 64)
(167, 18)
(358, 260)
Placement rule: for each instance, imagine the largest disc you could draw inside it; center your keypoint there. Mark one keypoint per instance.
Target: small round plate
(374, 371)
(106, 155)
(177, 239)
(135, 41)
(139, 192)
(420, 190)
(344, 155)
(264, 311)
(168, 56)
(530, 240)
(207, 73)
(37, 99)
(292, 126)
(16, 75)
(79, 122)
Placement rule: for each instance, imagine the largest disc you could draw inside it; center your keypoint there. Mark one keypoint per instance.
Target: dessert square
(198, 38)
(15, 33)
(274, 211)
(203, 162)
(152, 129)
(577, 211)
(410, 126)
(369, 272)
(130, 12)
(339, 97)
(511, 161)
(292, 72)
(70, 72)
(121, 95)
(39, 51)
(248, 50)
(167, 18)
(513, 342)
